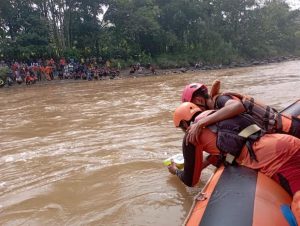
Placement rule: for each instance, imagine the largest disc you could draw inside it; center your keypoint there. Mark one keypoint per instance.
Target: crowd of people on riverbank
(48, 70)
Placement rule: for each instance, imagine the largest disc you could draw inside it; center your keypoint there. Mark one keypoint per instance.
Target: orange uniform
(272, 151)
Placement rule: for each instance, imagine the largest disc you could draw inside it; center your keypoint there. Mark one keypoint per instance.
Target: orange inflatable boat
(239, 196)
(292, 110)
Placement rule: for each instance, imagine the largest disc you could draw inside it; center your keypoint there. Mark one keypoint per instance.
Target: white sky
(294, 4)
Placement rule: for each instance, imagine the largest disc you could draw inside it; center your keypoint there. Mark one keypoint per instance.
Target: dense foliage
(170, 32)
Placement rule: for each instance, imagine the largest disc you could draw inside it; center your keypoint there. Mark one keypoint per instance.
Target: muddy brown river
(90, 153)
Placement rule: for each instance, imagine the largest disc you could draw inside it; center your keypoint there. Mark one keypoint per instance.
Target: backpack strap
(279, 123)
(266, 117)
(249, 130)
(251, 100)
(250, 150)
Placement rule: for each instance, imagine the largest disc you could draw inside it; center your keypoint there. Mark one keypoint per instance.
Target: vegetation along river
(91, 153)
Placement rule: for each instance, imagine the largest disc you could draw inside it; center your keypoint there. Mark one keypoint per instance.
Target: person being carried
(231, 104)
(238, 140)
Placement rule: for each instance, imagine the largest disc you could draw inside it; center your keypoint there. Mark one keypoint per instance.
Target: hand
(193, 133)
(172, 167)
(215, 88)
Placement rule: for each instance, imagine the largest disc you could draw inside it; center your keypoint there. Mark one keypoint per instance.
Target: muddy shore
(125, 73)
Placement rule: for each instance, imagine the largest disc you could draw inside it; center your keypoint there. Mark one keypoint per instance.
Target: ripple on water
(91, 152)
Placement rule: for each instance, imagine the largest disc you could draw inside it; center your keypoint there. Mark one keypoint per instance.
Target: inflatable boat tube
(292, 110)
(239, 196)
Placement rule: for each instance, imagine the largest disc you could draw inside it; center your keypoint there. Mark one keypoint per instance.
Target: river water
(90, 153)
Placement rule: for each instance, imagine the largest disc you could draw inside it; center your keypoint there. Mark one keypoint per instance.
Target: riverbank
(125, 73)
(201, 66)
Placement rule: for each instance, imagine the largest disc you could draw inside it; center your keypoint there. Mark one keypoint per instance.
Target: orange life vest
(287, 121)
(264, 115)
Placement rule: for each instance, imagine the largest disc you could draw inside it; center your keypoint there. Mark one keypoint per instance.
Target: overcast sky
(295, 4)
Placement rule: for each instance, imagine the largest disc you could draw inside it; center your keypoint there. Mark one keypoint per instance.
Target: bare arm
(231, 109)
(215, 88)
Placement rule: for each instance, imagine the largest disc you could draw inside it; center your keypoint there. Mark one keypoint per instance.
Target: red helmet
(190, 89)
(185, 112)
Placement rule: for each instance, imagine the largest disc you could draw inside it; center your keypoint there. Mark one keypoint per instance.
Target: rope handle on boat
(202, 194)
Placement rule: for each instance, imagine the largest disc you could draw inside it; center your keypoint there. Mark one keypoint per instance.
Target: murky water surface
(91, 153)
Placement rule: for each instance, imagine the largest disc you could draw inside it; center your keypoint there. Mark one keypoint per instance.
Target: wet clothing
(288, 174)
(272, 152)
(266, 117)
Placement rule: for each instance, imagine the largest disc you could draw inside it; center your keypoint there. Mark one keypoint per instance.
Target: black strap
(267, 117)
(251, 105)
(250, 150)
(279, 123)
(284, 183)
(295, 127)
(222, 160)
